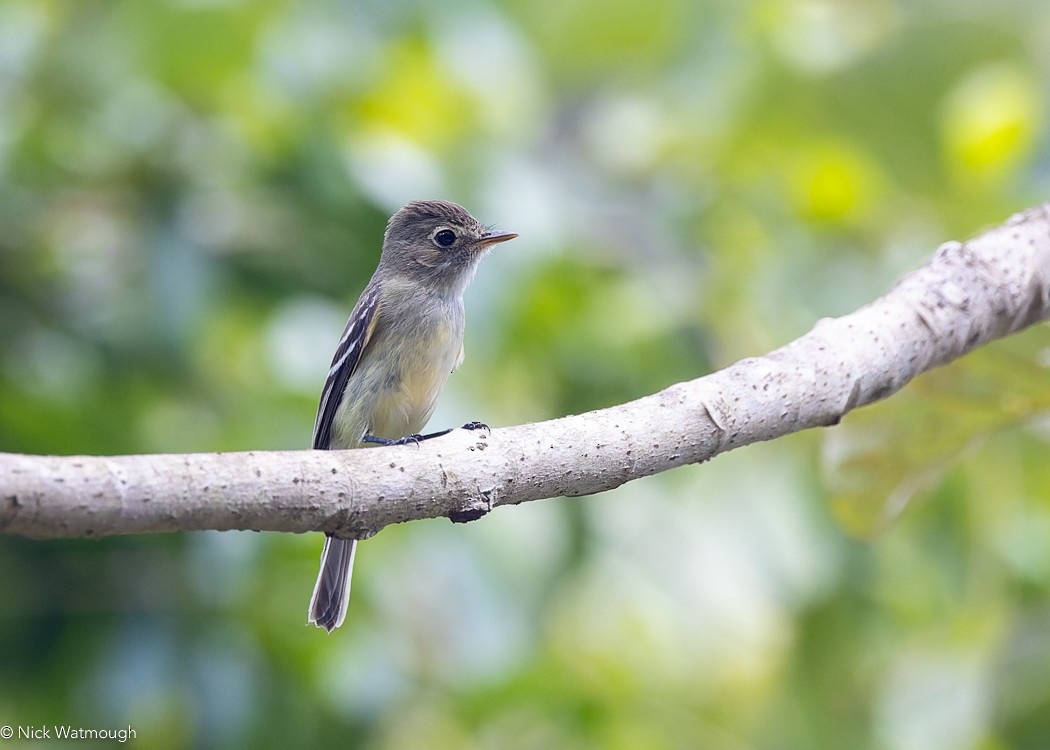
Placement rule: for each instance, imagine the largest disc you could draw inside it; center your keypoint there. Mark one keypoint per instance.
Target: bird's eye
(445, 237)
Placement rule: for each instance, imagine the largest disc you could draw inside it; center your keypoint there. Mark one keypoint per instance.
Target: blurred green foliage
(193, 192)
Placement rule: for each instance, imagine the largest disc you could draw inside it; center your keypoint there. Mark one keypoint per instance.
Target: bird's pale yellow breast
(406, 402)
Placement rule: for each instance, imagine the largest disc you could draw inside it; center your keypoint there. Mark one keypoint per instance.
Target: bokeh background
(193, 193)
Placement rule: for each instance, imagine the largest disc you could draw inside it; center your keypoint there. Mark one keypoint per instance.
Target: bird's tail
(332, 590)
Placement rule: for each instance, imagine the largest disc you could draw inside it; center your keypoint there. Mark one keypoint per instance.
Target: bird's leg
(406, 440)
(416, 439)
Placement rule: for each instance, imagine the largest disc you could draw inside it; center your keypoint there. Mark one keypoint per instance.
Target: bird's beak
(492, 238)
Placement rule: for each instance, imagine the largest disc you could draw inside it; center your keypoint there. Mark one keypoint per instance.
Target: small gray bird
(402, 341)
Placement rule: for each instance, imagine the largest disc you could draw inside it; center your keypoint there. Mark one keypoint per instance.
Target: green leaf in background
(881, 458)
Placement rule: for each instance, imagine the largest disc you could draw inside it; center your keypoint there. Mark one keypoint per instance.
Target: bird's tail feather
(332, 590)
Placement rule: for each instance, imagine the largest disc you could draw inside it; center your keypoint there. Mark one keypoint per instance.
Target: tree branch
(966, 296)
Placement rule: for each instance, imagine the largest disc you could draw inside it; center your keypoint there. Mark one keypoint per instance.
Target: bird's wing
(356, 335)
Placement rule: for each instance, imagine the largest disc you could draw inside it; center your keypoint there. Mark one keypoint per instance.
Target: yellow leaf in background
(832, 182)
(416, 98)
(989, 122)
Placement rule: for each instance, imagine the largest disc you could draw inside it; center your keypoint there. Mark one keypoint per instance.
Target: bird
(401, 342)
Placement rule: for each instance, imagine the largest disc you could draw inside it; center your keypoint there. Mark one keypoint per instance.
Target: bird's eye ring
(445, 238)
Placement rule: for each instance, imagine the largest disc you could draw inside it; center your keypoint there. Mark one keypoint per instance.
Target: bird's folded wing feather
(356, 335)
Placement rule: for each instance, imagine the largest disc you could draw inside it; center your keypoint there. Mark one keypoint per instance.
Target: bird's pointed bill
(492, 238)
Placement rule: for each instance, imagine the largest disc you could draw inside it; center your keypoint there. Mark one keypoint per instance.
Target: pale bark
(966, 296)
